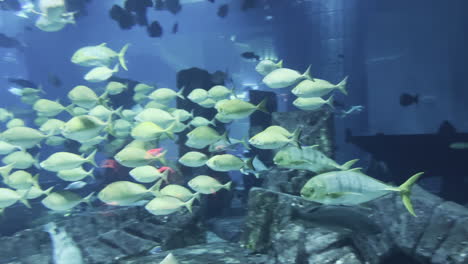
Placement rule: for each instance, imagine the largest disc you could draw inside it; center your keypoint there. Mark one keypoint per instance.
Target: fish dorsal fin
(355, 170)
(102, 44)
(310, 147)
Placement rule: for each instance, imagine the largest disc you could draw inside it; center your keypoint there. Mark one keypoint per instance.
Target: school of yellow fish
(90, 119)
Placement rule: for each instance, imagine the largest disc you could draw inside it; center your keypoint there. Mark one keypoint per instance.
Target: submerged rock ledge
(279, 225)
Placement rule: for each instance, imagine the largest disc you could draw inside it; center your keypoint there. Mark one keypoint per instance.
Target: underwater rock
(278, 224)
(228, 228)
(105, 236)
(213, 253)
(286, 181)
(317, 128)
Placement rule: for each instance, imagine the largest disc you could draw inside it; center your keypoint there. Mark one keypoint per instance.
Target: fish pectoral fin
(341, 194)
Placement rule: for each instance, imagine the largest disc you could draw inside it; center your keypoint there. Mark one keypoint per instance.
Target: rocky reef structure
(108, 236)
(292, 230)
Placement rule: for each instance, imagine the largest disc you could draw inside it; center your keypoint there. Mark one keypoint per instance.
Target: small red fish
(155, 152)
(165, 168)
(111, 164)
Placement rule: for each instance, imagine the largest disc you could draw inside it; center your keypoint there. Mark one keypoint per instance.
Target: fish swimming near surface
(223, 11)
(172, 6)
(250, 55)
(155, 30)
(139, 8)
(352, 187)
(123, 17)
(408, 99)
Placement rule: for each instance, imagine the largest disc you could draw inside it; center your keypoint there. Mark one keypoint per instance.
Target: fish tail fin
(342, 86)
(225, 136)
(48, 191)
(24, 198)
(349, 164)
(296, 137)
(162, 157)
(192, 112)
(329, 101)
(189, 204)
(122, 56)
(91, 173)
(116, 68)
(165, 176)
(69, 109)
(87, 199)
(35, 181)
(212, 122)
(179, 93)
(262, 106)
(5, 170)
(109, 126)
(405, 192)
(91, 157)
(307, 74)
(227, 186)
(103, 98)
(249, 163)
(155, 188)
(245, 142)
(280, 64)
(197, 196)
(41, 89)
(169, 130)
(233, 91)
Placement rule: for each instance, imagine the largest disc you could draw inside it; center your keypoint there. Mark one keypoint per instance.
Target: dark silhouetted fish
(175, 28)
(250, 55)
(173, 6)
(408, 99)
(23, 83)
(159, 5)
(219, 77)
(223, 10)
(122, 16)
(139, 8)
(212, 1)
(155, 30)
(9, 42)
(247, 4)
(54, 80)
(10, 5)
